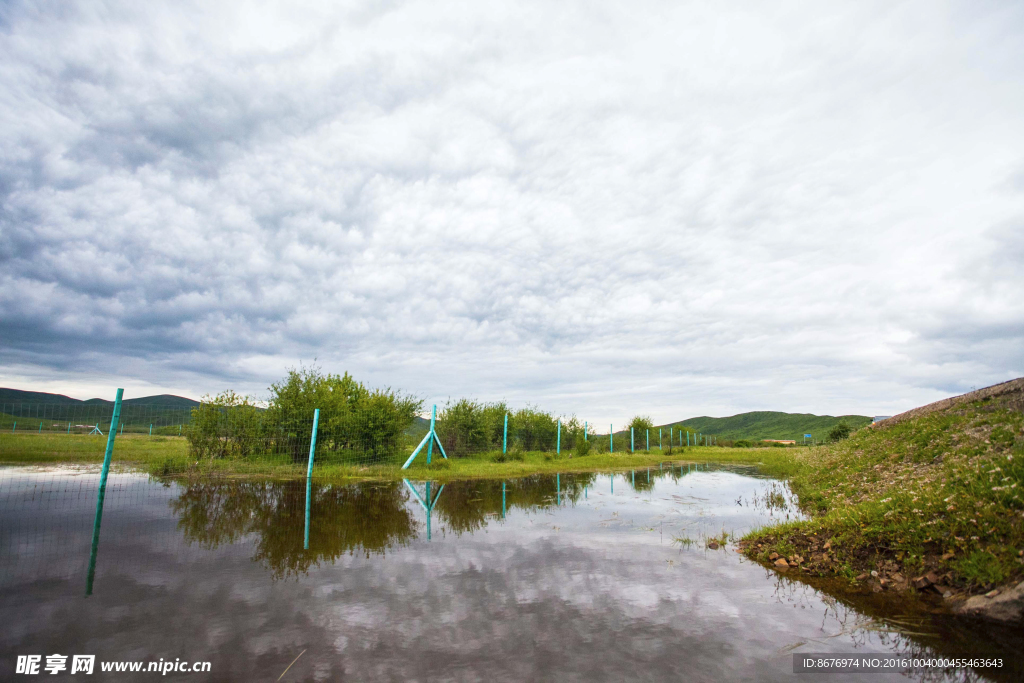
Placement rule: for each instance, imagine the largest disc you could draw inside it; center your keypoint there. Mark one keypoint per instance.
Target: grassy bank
(938, 495)
(169, 456)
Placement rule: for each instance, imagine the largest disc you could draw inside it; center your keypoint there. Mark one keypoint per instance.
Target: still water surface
(584, 577)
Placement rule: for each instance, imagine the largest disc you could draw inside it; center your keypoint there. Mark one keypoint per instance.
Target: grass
(169, 456)
(940, 493)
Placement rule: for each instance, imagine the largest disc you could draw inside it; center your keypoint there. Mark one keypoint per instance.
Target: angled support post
(429, 440)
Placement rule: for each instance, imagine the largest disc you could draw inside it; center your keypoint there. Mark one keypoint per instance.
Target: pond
(584, 577)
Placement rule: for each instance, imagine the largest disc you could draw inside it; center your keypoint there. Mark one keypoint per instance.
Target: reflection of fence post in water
(429, 504)
(103, 491)
(309, 473)
(503, 500)
(558, 489)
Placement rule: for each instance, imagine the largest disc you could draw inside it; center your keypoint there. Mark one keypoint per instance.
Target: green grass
(169, 456)
(771, 425)
(942, 492)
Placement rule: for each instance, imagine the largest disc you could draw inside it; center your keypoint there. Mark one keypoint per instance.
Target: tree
(839, 432)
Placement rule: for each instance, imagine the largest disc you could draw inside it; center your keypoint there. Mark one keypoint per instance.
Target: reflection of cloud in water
(500, 599)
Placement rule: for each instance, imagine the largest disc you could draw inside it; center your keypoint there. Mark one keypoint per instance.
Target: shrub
(582, 448)
(839, 432)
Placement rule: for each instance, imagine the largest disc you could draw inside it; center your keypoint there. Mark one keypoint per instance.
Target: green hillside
(766, 424)
(20, 396)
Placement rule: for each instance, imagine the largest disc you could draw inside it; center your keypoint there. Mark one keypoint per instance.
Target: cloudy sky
(598, 208)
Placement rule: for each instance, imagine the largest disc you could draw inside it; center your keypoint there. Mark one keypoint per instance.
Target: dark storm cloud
(671, 209)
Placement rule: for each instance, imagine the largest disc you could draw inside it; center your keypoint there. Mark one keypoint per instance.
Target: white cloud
(662, 209)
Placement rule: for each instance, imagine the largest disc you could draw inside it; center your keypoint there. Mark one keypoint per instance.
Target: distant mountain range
(766, 424)
(19, 396)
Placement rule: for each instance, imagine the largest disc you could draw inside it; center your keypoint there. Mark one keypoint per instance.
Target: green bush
(582, 448)
(839, 432)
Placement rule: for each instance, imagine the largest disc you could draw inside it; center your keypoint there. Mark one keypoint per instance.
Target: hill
(766, 424)
(929, 499)
(20, 396)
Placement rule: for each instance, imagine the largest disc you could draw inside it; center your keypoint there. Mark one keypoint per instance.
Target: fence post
(115, 418)
(69, 428)
(309, 474)
(504, 438)
(611, 442)
(584, 430)
(659, 438)
(40, 427)
(648, 439)
(433, 435)
(632, 448)
(151, 427)
(558, 448)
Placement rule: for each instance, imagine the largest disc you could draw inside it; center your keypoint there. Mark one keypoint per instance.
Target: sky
(603, 209)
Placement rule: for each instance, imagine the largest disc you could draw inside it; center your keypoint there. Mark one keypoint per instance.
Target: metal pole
(611, 441)
(151, 428)
(558, 448)
(504, 439)
(309, 473)
(631, 448)
(659, 438)
(648, 439)
(584, 431)
(103, 491)
(433, 434)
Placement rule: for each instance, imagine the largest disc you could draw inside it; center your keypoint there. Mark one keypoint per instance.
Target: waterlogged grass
(941, 493)
(170, 456)
(32, 448)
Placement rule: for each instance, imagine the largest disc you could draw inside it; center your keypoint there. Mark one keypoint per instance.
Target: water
(569, 577)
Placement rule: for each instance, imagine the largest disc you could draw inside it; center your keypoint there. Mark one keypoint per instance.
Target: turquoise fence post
(69, 427)
(40, 427)
(659, 438)
(107, 456)
(122, 429)
(15, 427)
(558, 448)
(611, 441)
(504, 438)
(309, 474)
(648, 439)
(584, 431)
(632, 448)
(151, 428)
(433, 434)
(179, 429)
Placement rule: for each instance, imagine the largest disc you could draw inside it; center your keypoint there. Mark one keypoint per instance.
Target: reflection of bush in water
(465, 505)
(368, 518)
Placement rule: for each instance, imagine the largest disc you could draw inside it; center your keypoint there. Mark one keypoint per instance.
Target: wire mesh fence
(244, 436)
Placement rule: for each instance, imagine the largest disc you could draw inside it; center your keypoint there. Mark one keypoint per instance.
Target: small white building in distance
(879, 418)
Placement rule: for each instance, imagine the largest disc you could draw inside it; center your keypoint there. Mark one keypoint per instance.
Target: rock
(874, 573)
(713, 545)
(828, 545)
(992, 593)
(898, 577)
(861, 577)
(773, 557)
(781, 564)
(1007, 606)
(932, 577)
(921, 582)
